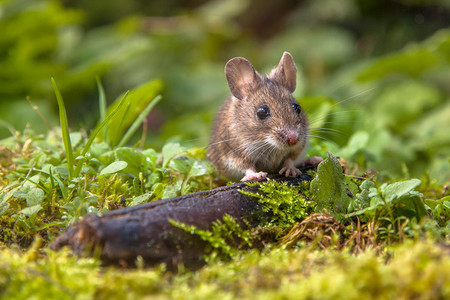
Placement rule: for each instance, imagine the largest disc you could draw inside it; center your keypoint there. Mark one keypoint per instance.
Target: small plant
(331, 189)
(393, 206)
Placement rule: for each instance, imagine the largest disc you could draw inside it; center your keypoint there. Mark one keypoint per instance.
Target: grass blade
(64, 129)
(102, 107)
(97, 131)
(25, 178)
(138, 121)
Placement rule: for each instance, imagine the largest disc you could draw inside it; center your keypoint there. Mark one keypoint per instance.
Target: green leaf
(398, 189)
(329, 188)
(31, 210)
(191, 167)
(114, 167)
(375, 201)
(182, 165)
(151, 157)
(447, 203)
(137, 162)
(35, 196)
(141, 199)
(362, 199)
(171, 191)
(169, 151)
(158, 190)
(200, 168)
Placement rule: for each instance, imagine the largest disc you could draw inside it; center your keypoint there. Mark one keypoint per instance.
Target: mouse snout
(291, 138)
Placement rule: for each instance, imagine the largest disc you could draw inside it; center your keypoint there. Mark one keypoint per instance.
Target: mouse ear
(242, 77)
(286, 72)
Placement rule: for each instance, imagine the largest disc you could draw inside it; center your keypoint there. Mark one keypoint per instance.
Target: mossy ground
(413, 270)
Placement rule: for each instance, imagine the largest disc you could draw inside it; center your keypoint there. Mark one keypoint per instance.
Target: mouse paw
(311, 161)
(251, 174)
(290, 171)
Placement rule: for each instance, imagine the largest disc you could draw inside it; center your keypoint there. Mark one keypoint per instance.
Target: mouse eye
(297, 108)
(263, 112)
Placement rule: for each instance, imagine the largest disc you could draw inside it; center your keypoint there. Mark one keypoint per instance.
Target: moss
(225, 238)
(413, 270)
(281, 204)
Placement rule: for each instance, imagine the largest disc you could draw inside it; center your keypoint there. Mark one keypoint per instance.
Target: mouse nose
(292, 138)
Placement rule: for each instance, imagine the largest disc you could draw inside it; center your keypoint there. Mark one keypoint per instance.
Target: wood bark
(120, 236)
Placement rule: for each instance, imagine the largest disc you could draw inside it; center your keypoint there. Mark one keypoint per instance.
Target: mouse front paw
(251, 174)
(289, 169)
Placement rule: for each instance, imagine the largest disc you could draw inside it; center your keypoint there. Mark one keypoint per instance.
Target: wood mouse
(260, 128)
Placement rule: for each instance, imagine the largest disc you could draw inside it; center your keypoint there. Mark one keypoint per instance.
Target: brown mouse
(260, 128)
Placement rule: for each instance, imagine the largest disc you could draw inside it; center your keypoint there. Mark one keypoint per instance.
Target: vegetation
(414, 270)
(372, 223)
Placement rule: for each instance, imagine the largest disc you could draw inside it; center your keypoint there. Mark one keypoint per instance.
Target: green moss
(281, 204)
(225, 238)
(413, 270)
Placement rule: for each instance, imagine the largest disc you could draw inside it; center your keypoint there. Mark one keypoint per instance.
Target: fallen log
(120, 236)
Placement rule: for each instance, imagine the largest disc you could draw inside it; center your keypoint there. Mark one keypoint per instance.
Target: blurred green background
(374, 75)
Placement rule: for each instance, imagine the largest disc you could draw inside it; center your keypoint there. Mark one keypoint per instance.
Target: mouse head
(264, 106)
(243, 79)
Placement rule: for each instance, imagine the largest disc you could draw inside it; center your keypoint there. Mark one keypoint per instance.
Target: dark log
(120, 236)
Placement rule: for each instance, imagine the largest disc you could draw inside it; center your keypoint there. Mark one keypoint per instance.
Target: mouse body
(260, 128)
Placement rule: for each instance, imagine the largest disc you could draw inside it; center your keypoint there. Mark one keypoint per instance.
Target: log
(123, 235)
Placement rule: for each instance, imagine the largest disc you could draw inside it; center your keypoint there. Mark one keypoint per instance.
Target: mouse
(260, 129)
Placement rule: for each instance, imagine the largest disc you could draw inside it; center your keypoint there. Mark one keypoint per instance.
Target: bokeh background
(374, 75)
